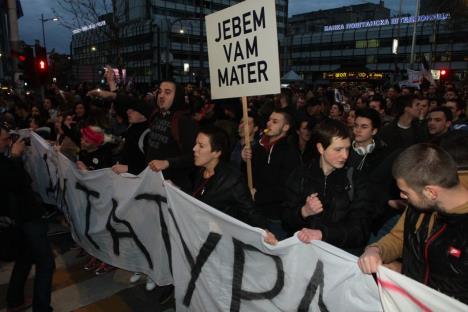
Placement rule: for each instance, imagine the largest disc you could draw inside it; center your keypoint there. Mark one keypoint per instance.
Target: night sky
(58, 37)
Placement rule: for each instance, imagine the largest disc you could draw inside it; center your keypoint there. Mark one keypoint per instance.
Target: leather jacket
(227, 191)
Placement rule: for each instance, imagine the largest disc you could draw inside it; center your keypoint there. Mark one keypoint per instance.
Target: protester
(404, 130)
(132, 156)
(324, 201)
(439, 122)
(172, 136)
(430, 235)
(273, 159)
(218, 184)
(253, 132)
(21, 206)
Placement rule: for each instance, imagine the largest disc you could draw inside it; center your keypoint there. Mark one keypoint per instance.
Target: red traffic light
(443, 72)
(42, 64)
(21, 58)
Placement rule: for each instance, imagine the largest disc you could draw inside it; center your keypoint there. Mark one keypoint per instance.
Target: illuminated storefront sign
(388, 21)
(89, 27)
(353, 75)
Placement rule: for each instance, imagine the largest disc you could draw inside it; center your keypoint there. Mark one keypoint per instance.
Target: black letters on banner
(51, 188)
(89, 193)
(196, 265)
(205, 252)
(116, 236)
(65, 207)
(315, 282)
(164, 231)
(237, 292)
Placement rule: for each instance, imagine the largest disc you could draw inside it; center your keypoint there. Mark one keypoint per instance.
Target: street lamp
(43, 21)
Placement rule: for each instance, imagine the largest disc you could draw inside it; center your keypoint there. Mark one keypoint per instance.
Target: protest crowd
(380, 171)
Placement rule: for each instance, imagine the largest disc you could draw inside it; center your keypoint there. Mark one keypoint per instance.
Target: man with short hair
(378, 103)
(431, 236)
(367, 151)
(458, 112)
(325, 200)
(273, 159)
(403, 131)
(438, 123)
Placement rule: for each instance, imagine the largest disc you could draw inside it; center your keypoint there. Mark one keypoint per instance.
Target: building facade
(355, 40)
(158, 39)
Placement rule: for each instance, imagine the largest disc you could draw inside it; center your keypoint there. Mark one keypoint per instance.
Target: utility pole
(413, 42)
(14, 42)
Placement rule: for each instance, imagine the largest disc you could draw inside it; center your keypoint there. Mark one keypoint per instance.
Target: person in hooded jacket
(273, 159)
(172, 136)
(132, 158)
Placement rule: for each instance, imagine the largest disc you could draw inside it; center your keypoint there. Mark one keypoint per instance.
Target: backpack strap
(141, 140)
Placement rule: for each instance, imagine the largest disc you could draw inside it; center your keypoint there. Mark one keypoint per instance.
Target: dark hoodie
(163, 145)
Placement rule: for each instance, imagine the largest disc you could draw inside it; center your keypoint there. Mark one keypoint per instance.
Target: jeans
(35, 249)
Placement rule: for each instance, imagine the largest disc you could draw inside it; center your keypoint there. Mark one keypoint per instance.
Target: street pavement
(75, 289)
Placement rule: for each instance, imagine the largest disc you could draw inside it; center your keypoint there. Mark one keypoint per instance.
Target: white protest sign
(243, 50)
(400, 293)
(222, 264)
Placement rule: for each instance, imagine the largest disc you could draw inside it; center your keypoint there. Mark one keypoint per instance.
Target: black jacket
(440, 259)
(162, 145)
(19, 202)
(270, 170)
(396, 138)
(227, 191)
(344, 223)
(98, 159)
(132, 154)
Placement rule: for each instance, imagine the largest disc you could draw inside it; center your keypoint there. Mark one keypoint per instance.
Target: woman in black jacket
(218, 184)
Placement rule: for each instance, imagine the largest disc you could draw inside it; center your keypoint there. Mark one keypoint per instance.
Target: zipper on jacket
(325, 186)
(426, 252)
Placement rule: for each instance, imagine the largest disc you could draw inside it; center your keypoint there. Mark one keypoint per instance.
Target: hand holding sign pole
(243, 54)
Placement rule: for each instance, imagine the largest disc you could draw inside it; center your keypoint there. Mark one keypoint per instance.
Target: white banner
(243, 50)
(114, 218)
(222, 264)
(218, 263)
(43, 167)
(399, 293)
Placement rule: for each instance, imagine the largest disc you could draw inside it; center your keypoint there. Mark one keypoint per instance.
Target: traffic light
(42, 67)
(443, 72)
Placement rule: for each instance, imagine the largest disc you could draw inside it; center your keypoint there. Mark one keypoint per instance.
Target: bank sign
(389, 21)
(243, 50)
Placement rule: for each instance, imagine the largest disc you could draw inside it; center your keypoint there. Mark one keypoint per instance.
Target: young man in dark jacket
(132, 158)
(326, 202)
(431, 236)
(19, 200)
(404, 131)
(273, 159)
(172, 137)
